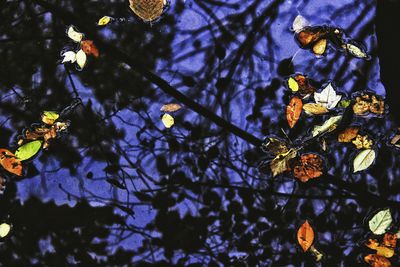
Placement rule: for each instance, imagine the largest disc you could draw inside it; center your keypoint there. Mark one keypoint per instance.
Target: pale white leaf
(355, 50)
(299, 23)
(5, 228)
(69, 56)
(327, 126)
(363, 160)
(74, 34)
(380, 222)
(81, 58)
(328, 97)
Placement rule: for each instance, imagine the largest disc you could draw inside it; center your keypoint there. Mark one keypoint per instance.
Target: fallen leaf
(28, 150)
(10, 162)
(5, 229)
(327, 126)
(368, 103)
(104, 21)
(380, 222)
(362, 142)
(81, 58)
(69, 56)
(293, 111)
(377, 261)
(299, 23)
(172, 107)
(355, 50)
(315, 109)
(319, 47)
(147, 10)
(363, 160)
(309, 35)
(275, 146)
(280, 163)
(328, 97)
(49, 117)
(293, 85)
(167, 120)
(305, 236)
(74, 34)
(348, 134)
(310, 166)
(89, 48)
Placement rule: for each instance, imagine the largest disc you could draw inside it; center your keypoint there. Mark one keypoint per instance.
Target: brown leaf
(320, 47)
(172, 107)
(10, 162)
(362, 141)
(275, 146)
(147, 10)
(309, 167)
(293, 111)
(303, 84)
(89, 48)
(310, 35)
(386, 248)
(305, 236)
(315, 109)
(377, 261)
(348, 134)
(280, 164)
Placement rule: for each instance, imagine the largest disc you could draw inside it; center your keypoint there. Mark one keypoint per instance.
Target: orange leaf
(377, 261)
(172, 107)
(348, 134)
(305, 236)
(89, 48)
(309, 167)
(10, 162)
(386, 249)
(310, 35)
(390, 240)
(293, 111)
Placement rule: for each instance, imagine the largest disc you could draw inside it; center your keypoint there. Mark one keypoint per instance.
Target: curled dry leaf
(377, 261)
(280, 163)
(380, 222)
(363, 160)
(293, 111)
(387, 247)
(328, 126)
(45, 133)
(315, 109)
(89, 48)
(348, 134)
(368, 103)
(363, 142)
(172, 107)
(305, 236)
(147, 10)
(10, 162)
(308, 36)
(310, 166)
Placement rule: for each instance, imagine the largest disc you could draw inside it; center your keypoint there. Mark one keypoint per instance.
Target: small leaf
(380, 222)
(69, 56)
(167, 120)
(355, 50)
(280, 163)
(172, 107)
(49, 117)
(74, 34)
(89, 48)
(377, 260)
(10, 162)
(348, 134)
(104, 21)
(305, 236)
(293, 111)
(275, 146)
(315, 109)
(81, 58)
(328, 97)
(293, 85)
(299, 23)
(28, 150)
(344, 103)
(327, 126)
(5, 229)
(363, 160)
(116, 183)
(320, 47)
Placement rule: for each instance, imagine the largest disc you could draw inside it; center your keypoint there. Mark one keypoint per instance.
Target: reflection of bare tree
(198, 184)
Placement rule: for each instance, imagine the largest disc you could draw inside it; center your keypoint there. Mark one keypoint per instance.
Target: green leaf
(28, 150)
(380, 222)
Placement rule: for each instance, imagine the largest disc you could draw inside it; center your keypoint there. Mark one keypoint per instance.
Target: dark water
(119, 189)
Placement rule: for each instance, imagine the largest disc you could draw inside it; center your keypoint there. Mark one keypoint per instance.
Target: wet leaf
(310, 35)
(328, 126)
(355, 50)
(328, 97)
(89, 48)
(172, 107)
(368, 103)
(363, 160)
(310, 166)
(293, 85)
(74, 34)
(167, 120)
(293, 111)
(344, 103)
(5, 229)
(81, 58)
(10, 162)
(69, 56)
(377, 261)
(300, 83)
(275, 146)
(280, 164)
(380, 222)
(305, 236)
(147, 10)
(315, 109)
(28, 150)
(387, 247)
(299, 23)
(362, 142)
(104, 21)
(348, 134)
(320, 47)
(49, 117)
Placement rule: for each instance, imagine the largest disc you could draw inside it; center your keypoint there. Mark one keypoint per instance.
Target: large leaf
(28, 150)
(310, 166)
(363, 160)
(328, 97)
(280, 164)
(380, 222)
(293, 111)
(10, 162)
(377, 260)
(327, 126)
(305, 236)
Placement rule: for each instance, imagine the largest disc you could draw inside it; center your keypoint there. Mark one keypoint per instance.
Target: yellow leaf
(5, 229)
(49, 117)
(293, 85)
(104, 21)
(167, 120)
(315, 109)
(280, 163)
